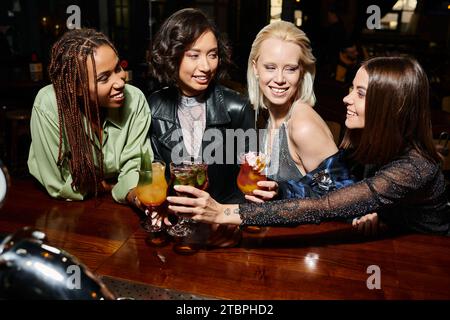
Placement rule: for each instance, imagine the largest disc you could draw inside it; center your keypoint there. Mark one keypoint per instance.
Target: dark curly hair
(175, 36)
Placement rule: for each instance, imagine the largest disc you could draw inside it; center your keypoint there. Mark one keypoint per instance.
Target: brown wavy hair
(397, 113)
(175, 36)
(78, 115)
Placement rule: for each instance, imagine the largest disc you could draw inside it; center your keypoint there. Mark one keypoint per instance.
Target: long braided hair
(78, 115)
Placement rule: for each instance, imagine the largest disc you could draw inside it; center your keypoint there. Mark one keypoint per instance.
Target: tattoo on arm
(227, 211)
(236, 211)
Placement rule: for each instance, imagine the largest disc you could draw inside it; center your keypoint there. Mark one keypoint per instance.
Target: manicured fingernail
(176, 187)
(169, 198)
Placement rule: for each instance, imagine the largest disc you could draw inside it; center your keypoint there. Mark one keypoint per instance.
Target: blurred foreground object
(32, 269)
(4, 183)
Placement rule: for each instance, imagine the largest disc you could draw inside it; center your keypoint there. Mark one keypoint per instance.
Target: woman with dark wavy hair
(389, 128)
(178, 33)
(190, 56)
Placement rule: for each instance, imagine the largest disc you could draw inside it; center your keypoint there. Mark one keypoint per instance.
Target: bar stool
(18, 126)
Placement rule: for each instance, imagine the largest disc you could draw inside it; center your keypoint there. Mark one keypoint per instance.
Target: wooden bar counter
(328, 261)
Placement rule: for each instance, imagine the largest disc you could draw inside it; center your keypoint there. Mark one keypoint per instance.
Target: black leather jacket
(225, 109)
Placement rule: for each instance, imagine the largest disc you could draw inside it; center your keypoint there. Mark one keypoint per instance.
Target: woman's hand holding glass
(266, 191)
(187, 173)
(201, 208)
(252, 180)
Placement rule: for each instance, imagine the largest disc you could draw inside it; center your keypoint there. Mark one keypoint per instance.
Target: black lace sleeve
(394, 183)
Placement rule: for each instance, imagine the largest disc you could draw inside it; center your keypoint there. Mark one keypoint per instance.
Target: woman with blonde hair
(280, 77)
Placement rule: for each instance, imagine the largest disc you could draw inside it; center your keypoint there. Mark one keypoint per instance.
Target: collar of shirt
(113, 116)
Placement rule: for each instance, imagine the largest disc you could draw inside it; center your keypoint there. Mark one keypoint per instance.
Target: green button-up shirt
(124, 133)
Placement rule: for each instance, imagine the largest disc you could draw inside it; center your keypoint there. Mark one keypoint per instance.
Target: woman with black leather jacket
(193, 115)
(190, 116)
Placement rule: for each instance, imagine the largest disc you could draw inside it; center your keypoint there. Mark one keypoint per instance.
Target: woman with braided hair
(88, 126)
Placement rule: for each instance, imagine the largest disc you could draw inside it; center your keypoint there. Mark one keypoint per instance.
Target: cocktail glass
(252, 170)
(188, 173)
(152, 193)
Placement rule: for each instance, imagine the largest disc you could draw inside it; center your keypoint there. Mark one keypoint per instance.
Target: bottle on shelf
(36, 69)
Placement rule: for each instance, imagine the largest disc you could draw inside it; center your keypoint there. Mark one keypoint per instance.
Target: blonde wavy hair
(285, 31)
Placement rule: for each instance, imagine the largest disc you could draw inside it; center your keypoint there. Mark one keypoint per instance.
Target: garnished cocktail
(189, 174)
(252, 170)
(152, 192)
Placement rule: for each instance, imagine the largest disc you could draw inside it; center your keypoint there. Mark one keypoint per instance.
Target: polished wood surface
(308, 262)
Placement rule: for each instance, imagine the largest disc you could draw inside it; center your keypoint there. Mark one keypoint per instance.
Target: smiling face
(110, 78)
(198, 65)
(278, 71)
(356, 101)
